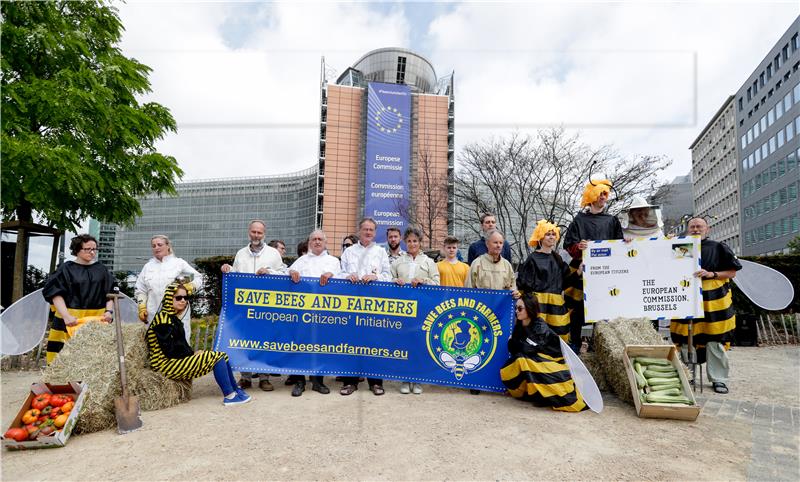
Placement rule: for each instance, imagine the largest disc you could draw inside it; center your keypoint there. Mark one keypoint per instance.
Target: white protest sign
(650, 278)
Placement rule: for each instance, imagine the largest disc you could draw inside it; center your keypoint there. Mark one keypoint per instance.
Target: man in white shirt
(364, 262)
(317, 263)
(256, 258)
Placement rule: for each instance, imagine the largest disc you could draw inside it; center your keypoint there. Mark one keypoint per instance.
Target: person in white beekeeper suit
(641, 220)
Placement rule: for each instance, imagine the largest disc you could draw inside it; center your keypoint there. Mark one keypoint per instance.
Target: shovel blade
(127, 413)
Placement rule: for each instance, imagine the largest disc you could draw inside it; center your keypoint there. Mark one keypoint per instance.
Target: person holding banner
(75, 291)
(452, 272)
(491, 270)
(545, 274)
(260, 259)
(170, 354)
(415, 268)
(317, 264)
(536, 371)
(712, 335)
(365, 262)
(590, 224)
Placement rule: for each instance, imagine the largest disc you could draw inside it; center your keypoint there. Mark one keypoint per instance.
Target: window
(749, 94)
(785, 52)
(758, 155)
(769, 71)
(776, 62)
(794, 43)
(781, 139)
(771, 144)
(763, 123)
(741, 103)
(750, 136)
(789, 131)
(764, 152)
(797, 93)
(761, 79)
(756, 130)
(787, 102)
(755, 87)
(773, 172)
(784, 194)
(791, 161)
(770, 117)
(744, 141)
(780, 168)
(792, 189)
(778, 110)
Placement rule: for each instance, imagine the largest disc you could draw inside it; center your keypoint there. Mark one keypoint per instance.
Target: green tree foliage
(125, 287)
(794, 245)
(76, 141)
(35, 278)
(212, 287)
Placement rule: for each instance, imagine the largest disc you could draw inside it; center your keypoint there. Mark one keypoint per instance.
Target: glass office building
(768, 136)
(210, 217)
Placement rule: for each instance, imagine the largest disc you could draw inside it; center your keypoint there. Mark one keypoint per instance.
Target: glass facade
(210, 217)
(393, 66)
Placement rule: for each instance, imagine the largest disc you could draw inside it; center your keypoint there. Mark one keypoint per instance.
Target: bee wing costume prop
(752, 280)
(583, 379)
(24, 323)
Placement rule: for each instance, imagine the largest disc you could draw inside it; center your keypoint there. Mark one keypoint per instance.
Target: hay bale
(610, 339)
(91, 356)
(592, 364)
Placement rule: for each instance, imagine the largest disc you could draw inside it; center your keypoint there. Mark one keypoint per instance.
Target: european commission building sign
(388, 150)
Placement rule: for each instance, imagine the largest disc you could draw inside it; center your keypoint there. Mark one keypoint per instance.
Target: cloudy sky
(242, 79)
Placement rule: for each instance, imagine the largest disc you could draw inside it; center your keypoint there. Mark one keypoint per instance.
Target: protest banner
(425, 334)
(650, 278)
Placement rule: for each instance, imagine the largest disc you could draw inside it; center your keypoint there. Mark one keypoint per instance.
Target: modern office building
(768, 125)
(209, 218)
(386, 146)
(715, 161)
(385, 151)
(676, 201)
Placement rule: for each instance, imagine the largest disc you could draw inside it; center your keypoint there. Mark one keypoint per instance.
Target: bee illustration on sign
(632, 253)
(613, 291)
(685, 283)
(459, 366)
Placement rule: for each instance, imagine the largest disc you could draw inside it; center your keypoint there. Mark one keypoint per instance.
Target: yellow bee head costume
(592, 191)
(543, 227)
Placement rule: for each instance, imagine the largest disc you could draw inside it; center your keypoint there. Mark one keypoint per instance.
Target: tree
(35, 278)
(76, 142)
(794, 245)
(524, 178)
(428, 209)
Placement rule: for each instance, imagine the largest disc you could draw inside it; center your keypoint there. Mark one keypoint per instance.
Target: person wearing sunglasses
(348, 241)
(169, 353)
(77, 290)
(536, 371)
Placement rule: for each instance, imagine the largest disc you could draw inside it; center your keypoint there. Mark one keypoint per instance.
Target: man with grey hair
(256, 258)
(365, 262)
(476, 249)
(317, 263)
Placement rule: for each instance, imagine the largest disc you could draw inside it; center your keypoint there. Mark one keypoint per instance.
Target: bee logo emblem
(461, 341)
(632, 253)
(685, 283)
(614, 291)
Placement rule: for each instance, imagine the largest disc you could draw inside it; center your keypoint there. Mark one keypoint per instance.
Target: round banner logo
(460, 340)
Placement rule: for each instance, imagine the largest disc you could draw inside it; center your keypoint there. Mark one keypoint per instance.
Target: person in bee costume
(712, 335)
(590, 224)
(545, 274)
(170, 354)
(536, 371)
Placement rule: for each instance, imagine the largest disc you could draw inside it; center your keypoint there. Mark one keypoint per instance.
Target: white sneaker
(417, 388)
(405, 387)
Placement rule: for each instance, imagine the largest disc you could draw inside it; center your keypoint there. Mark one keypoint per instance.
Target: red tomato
(41, 401)
(58, 400)
(18, 434)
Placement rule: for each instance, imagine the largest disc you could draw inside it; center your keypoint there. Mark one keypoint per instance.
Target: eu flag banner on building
(428, 334)
(388, 151)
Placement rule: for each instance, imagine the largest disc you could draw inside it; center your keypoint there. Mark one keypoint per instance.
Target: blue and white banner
(388, 152)
(427, 334)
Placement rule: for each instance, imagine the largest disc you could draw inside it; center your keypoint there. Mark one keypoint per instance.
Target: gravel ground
(442, 434)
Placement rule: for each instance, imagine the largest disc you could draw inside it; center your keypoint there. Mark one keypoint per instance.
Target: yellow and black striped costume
(536, 371)
(719, 322)
(167, 349)
(84, 288)
(545, 275)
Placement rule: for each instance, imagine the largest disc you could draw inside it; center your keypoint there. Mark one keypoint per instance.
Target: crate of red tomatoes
(47, 416)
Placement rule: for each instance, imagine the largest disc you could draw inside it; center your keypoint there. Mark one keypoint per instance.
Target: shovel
(126, 407)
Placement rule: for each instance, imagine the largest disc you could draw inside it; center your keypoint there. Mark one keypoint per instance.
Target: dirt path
(442, 434)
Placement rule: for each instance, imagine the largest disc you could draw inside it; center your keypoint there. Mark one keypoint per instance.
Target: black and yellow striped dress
(167, 349)
(719, 320)
(536, 371)
(545, 275)
(84, 288)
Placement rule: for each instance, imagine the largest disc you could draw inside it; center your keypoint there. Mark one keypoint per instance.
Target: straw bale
(593, 365)
(91, 356)
(610, 339)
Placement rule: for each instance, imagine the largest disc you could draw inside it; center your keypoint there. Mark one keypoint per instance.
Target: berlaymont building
(385, 142)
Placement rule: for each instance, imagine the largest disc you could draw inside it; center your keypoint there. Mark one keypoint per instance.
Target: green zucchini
(655, 388)
(656, 374)
(661, 368)
(653, 361)
(656, 398)
(638, 371)
(668, 391)
(662, 381)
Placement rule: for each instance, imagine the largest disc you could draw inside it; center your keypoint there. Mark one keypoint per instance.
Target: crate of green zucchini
(659, 382)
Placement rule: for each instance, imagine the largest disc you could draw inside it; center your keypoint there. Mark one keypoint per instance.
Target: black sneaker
(298, 389)
(472, 391)
(321, 388)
